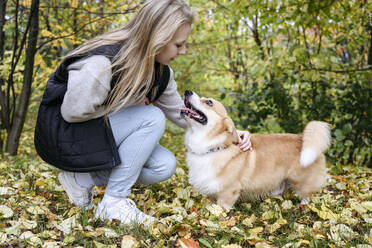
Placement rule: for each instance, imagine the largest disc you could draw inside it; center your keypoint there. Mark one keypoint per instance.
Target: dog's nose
(188, 92)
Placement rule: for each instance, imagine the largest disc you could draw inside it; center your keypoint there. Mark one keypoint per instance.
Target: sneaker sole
(100, 214)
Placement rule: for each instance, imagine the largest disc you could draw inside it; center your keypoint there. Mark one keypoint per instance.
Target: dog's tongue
(188, 110)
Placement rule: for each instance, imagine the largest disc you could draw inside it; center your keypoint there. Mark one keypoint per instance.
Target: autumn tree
(13, 111)
(34, 36)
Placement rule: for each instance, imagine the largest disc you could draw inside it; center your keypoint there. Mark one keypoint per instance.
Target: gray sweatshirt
(89, 85)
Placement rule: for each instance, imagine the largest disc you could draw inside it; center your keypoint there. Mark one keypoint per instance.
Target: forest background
(276, 64)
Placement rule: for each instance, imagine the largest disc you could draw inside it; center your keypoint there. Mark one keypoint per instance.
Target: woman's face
(176, 47)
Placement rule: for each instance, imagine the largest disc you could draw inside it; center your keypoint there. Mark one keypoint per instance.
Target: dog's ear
(230, 127)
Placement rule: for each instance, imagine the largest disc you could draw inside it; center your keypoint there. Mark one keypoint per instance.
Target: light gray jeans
(137, 131)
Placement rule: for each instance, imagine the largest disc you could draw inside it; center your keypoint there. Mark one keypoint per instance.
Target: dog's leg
(228, 197)
(305, 201)
(279, 190)
(309, 180)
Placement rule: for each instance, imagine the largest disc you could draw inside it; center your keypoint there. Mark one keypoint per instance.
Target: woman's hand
(244, 140)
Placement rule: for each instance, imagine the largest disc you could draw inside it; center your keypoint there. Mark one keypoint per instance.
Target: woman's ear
(230, 127)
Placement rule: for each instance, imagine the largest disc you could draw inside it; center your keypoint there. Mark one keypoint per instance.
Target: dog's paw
(305, 201)
(227, 207)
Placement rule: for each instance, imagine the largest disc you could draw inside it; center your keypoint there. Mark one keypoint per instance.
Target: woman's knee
(159, 167)
(165, 168)
(170, 167)
(155, 117)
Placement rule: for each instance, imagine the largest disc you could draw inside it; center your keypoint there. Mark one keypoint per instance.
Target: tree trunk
(370, 46)
(75, 27)
(3, 114)
(101, 23)
(2, 23)
(21, 111)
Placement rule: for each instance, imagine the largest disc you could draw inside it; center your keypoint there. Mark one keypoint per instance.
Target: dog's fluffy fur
(220, 169)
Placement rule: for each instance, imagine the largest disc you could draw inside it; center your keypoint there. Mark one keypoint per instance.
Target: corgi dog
(220, 169)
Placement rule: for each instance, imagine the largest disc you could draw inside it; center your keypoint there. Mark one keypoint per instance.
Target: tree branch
(64, 36)
(370, 46)
(320, 41)
(127, 11)
(220, 4)
(15, 59)
(339, 71)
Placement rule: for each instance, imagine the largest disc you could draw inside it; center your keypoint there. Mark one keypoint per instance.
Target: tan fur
(273, 161)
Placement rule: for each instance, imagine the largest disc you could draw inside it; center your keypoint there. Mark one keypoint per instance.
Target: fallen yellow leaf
(269, 215)
(5, 211)
(324, 213)
(216, 210)
(279, 223)
(231, 246)
(229, 222)
(256, 230)
(94, 234)
(39, 182)
(249, 220)
(367, 205)
(303, 241)
(129, 241)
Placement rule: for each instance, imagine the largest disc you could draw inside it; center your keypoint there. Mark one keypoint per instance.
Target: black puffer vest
(85, 146)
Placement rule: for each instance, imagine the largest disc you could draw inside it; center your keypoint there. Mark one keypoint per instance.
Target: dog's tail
(316, 138)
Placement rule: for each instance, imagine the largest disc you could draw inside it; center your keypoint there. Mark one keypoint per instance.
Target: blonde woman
(103, 110)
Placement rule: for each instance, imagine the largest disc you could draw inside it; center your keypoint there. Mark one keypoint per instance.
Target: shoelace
(132, 203)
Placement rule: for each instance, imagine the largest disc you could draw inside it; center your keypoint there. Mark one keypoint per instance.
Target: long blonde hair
(152, 27)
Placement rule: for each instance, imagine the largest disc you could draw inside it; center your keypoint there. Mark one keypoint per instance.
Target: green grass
(35, 211)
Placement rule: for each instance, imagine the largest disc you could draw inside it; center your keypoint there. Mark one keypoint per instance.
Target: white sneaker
(80, 196)
(125, 211)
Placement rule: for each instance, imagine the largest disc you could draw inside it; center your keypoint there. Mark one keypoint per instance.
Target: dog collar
(214, 149)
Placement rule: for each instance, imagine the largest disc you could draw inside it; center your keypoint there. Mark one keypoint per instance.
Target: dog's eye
(209, 103)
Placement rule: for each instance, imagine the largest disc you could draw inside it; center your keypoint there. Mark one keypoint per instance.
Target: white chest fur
(202, 173)
(202, 165)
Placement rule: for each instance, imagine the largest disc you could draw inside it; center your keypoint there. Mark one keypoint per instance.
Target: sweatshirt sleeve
(169, 101)
(87, 88)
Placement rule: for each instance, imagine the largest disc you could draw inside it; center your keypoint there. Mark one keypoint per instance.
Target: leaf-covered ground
(35, 212)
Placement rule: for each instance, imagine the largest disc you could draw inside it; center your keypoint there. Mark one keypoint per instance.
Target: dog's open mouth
(193, 113)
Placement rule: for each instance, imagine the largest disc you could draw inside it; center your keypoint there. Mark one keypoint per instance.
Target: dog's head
(209, 116)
